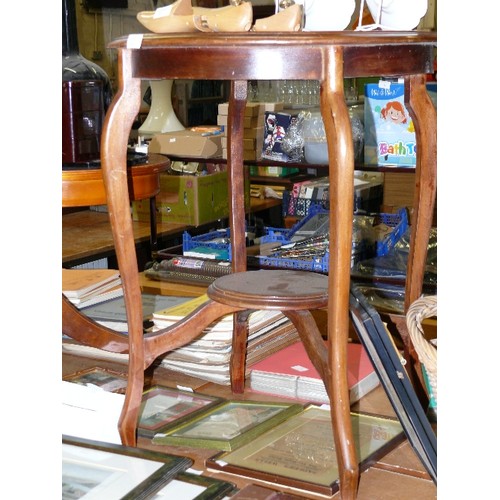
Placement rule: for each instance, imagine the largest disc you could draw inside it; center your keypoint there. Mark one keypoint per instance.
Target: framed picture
(190, 486)
(93, 469)
(163, 407)
(228, 425)
(394, 378)
(106, 379)
(300, 452)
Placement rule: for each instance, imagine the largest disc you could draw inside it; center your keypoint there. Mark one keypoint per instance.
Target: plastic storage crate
(218, 241)
(301, 207)
(360, 251)
(367, 199)
(398, 221)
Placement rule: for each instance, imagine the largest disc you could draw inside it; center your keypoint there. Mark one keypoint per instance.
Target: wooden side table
(238, 57)
(84, 187)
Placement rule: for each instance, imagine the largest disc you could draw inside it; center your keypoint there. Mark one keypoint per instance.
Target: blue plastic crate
(301, 207)
(317, 264)
(366, 200)
(275, 234)
(219, 240)
(398, 221)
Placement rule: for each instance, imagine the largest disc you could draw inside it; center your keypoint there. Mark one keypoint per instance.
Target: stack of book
(113, 313)
(84, 287)
(208, 356)
(290, 373)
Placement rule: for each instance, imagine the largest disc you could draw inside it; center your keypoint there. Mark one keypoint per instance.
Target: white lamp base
(161, 117)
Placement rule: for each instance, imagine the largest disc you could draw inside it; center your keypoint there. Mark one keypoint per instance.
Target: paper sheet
(90, 412)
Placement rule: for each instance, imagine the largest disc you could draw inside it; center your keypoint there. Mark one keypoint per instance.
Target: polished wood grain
(87, 235)
(85, 187)
(327, 57)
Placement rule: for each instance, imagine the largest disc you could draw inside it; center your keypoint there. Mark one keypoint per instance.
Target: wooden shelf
(87, 236)
(301, 165)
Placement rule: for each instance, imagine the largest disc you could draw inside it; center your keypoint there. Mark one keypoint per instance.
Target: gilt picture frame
(106, 379)
(229, 425)
(300, 452)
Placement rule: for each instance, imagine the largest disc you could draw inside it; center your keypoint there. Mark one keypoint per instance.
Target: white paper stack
(208, 356)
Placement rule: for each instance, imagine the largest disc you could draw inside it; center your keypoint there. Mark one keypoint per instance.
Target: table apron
(278, 63)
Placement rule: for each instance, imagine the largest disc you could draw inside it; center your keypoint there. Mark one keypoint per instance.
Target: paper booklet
(80, 283)
(290, 373)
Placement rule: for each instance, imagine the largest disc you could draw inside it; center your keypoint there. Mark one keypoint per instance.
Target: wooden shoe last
(289, 19)
(231, 18)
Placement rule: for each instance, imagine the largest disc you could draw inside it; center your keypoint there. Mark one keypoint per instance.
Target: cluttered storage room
(249, 249)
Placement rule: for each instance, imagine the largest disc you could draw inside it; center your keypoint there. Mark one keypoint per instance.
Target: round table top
(83, 187)
(282, 289)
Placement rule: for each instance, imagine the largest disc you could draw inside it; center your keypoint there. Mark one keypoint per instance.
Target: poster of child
(389, 130)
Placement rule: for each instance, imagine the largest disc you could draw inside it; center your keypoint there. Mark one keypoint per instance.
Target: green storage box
(190, 199)
(187, 199)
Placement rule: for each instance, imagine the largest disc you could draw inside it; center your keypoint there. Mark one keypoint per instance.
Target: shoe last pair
(182, 17)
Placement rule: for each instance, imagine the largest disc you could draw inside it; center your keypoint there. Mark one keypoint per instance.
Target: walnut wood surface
(87, 235)
(272, 289)
(329, 58)
(86, 187)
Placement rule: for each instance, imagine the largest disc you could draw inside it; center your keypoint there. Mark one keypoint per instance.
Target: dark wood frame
(151, 431)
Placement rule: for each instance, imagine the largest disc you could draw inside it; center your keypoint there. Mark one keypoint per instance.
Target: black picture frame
(394, 379)
(115, 471)
(214, 489)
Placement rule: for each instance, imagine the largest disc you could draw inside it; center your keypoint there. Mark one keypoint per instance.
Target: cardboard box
(248, 155)
(255, 133)
(251, 108)
(389, 131)
(399, 190)
(249, 144)
(190, 199)
(248, 121)
(252, 144)
(272, 106)
(187, 143)
(187, 199)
